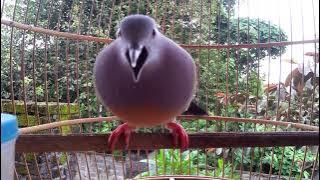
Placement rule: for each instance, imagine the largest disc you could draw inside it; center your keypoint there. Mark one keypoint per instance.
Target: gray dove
(145, 79)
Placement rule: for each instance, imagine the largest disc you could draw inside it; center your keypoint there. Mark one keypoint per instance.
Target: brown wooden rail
(148, 141)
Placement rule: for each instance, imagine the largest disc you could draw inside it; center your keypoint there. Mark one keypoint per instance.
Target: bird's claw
(115, 135)
(179, 134)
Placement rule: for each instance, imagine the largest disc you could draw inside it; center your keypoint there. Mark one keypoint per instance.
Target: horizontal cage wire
(258, 80)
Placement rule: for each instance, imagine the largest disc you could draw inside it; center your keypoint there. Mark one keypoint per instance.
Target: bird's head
(136, 32)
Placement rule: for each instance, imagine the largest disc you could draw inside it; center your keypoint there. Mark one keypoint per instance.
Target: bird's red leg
(179, 134)
(123, 129)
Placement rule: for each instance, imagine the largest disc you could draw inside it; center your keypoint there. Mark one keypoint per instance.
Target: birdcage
(258, 81)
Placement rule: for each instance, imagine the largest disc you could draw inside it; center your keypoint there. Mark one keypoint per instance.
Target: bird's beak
(134, 54)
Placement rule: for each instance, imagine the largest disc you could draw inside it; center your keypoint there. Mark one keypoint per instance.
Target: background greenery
(36, 67)
(70, 62)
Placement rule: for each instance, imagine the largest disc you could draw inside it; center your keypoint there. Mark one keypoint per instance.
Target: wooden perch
(149, 141)
(34, 129)
(55, 33)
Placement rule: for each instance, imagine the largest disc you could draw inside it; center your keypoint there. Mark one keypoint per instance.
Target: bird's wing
(195, 109)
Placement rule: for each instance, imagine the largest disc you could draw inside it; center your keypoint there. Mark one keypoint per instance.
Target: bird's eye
(153, 32)
(119, 33)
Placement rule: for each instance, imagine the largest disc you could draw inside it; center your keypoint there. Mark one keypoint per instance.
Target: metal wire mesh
(47, 55)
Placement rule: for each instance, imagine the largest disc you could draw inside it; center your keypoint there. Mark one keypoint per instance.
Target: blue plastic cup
(9, 134)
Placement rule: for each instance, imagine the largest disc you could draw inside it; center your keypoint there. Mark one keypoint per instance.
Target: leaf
(294, 73)
(220, 94)
(220, 163)
(270, 88)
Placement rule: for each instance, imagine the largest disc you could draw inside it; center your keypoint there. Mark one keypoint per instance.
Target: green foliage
(172, 162)
(287, 159)
(104, 127)
(186, 163)
(225, 169)
(63, 68)
(199, 125)
(285, 163)
(249, 31)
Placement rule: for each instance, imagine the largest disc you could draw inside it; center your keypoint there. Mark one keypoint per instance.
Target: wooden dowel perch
(149, 141)
(33, 129)
(55, 33)
(108, 40)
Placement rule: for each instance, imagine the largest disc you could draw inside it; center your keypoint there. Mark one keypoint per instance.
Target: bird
(145, 79)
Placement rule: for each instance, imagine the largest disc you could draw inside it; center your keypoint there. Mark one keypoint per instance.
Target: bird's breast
(163, 91)
(143, 115)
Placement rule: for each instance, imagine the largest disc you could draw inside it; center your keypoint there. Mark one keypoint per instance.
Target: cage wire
(256, 128)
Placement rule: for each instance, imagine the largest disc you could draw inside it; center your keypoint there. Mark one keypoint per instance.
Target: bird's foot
(123, 129)
(179, 134)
